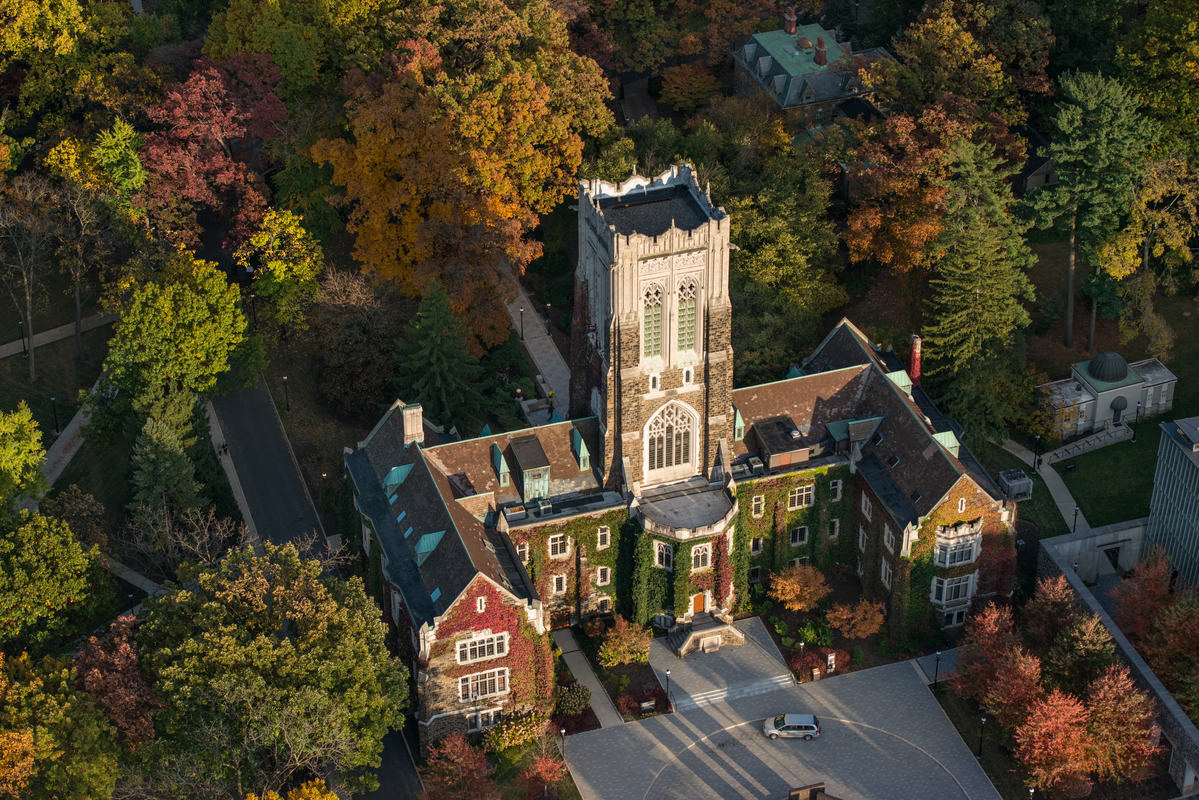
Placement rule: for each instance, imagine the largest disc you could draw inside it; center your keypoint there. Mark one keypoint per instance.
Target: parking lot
(883, 735)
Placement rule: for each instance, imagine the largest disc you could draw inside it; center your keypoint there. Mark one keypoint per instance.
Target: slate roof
(652, 211)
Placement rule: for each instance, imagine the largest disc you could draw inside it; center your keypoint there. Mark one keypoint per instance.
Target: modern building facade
(1174, 508)
(668, 494)
(1107, 392)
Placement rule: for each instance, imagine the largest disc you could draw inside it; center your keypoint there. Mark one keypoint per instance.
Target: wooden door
(698, 605)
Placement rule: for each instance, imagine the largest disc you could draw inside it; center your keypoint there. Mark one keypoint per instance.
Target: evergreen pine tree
(162, 472)
(975, 309)
(1100, 140)
(436, 368)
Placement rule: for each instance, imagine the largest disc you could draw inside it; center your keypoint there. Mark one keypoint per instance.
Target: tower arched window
(652, 341)
(670, 438)
(687, 294)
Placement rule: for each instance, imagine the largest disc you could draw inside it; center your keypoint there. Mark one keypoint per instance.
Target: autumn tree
(625, 643)
(229, 683)
(862, 619)
(799, 588)
(1081, 652)
(1120, 720)
(686, 87)
(1172, 644)
(1140, 599)
(16, 760)
(1096, 150)
(457, 771)
(311, 790)
(108, 670)
(162, 539)
(81, 512)
(435, 367)
(199, 160)
(989, 642)
(1016, 688)
(1015, 33)
(1054, 744)
(30, 223)
(545, 772)
(587, 38)
(286, 261)
(21, 455)
(1156, 60)
(44, 575)
(1052, 609)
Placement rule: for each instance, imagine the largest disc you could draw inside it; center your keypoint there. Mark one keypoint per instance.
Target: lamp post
(801, 644)
(563, 732)
(21, 329)
(1137, 420)
(286, 396)
(254, 307)
(982, 729)
(668, 690)
(522, 323)
(1075, 520)
(1035, 453)
(131, 604)
(1075, 567)
(54, 408)
(937, 670)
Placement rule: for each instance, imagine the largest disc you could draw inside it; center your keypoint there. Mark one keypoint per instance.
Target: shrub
(625, 704)
(815, 633)
(576, 723)
(547, 769)
(858, 655)
(594, 628)
(858, 621)
(686, 87)
(565, 678)
(630, 702)
(625, 644)
(803, 661)
(799, 588)
(455, 769)
(781, 628)
(513, 732)
(573, 699)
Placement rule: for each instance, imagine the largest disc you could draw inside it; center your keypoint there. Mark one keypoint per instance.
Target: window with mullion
(687, 324)
(653, 325)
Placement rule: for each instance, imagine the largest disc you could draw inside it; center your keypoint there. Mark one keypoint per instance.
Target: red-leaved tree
(108, 670)
(858, 621)
(1139, 599)
(1120, 723)
(1052, 610)
(1172, 645)
(1017, 686)
(457, 771)
(988, 644)
(201, 158)
(1053, 744)
(541, 778)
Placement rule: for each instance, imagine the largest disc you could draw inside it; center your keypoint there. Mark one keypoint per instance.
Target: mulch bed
(577, 723)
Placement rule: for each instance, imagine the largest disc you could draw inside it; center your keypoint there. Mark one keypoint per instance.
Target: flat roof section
(693, 503)
(779, 435)
(1153, 372)
(790, 56)
(652, 212)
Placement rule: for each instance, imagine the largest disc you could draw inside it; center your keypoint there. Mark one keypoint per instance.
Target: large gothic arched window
(670, 438)
(653, 322)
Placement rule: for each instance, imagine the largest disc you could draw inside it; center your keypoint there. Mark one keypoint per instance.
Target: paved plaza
(883, 735)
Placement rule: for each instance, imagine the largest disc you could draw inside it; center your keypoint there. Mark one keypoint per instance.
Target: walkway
(935, 669)
(1057, 487)
(545, 354)
(54, 334)
(274, 489)
(601, 704)
(239, 494)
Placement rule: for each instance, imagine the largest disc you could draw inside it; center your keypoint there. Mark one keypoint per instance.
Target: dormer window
(500, 465)
(534, 468)
(738, 425)
(580, 450)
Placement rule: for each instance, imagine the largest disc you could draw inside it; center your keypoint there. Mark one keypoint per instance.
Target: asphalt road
(397, 774)
(270, 477)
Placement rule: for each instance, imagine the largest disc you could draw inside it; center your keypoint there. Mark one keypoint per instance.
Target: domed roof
(1109, 367)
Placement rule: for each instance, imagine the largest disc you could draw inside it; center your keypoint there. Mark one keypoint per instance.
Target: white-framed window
(961, 551)
(701, 557)
(834, 529)
(522, 550)
(834, 491)
(799, 535)
(652, 339)
(670, 437)
(888, 538)
(862, 538)
(961, 505)
(481, 648)
(366, 540)
(603, 538)
(885, 572)
(866, 510)
(484, 719)
(951, 590)
(559, 547)
(755, 574)
(665, 555)
(604, 604)
(503, 479)
(755, 545)
(559, 584)
(480, 604)
(483, 684)
(800, 497)
(603, 576)
(759, 502)
(798, 562)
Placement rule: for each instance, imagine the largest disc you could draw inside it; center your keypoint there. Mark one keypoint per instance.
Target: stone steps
(724, 694)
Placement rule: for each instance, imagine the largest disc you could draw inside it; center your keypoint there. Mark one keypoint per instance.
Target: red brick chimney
(914, 360)
(821, 56)
(789, 21)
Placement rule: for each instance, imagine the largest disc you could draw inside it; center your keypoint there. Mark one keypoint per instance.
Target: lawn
(507, 774)
(59, 375)
(104, 474)
(996, 760)
(1039, 509)
(53, 305)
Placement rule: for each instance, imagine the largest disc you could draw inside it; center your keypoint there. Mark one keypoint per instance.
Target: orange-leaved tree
(1139, 600)
(1120, 719)
(858, 621)
(988, 644)
(1053, 744)
(1017, 686)
(799, 588)
(457, 771)
(1053, 609)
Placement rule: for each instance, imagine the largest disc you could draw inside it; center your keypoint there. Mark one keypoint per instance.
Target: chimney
(789, 21)
(821, 56)
(414, 424)
(914, 360)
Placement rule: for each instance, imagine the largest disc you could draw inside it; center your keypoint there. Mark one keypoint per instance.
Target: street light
(131, 604)
(801, 667)
(937, 679)
(254, 307)
(563, 732)
(286, 396)
(1036, 452)
(522, 323)
(21, 328)
(1134, 424)
(1076, 567)
(667, 686)
(1075, 520)
(981, 730)
(54, 408)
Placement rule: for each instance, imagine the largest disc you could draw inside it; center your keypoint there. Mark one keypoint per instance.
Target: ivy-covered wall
(776, 522)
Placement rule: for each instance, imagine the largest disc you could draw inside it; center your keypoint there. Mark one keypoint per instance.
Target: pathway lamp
(562, 731)
(1136, 421)
(1075, 523)
(1036, 462)
(668, 690)
(54, 408)
(21, 329)
(286, 396)
(982, 729)
(937, 670)
(522, 323)
(801, 667)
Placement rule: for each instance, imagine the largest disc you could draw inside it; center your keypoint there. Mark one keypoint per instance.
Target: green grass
(1040, 509)
(999, 766)
(59, 375)
(507, 774)
(104, 474)
(53, 305)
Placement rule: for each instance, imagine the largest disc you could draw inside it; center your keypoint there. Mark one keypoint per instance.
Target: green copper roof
(788, 55)
(1103, 386)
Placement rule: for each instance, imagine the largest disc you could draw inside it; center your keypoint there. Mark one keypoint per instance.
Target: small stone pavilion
(1106, 392)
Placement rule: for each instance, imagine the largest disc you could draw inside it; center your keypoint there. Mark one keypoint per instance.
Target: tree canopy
(21, 455)
(44, 574)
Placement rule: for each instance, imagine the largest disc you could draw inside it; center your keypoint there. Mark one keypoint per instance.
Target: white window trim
(473, 718)
(834, 488)
(480, 604)
(500, 676)
(522, 552)
(697, 550)
(500, 640)
(961, 505)
(834, 529)
(603, 576)
(804, 539)
(599, 600)
(549, 546)
(862, 538)
(755, 578)
(554, 581)
(867, 511)
(971, 581)
(886, 573)
(755, 549)
(888, 538)
(801, 497)
(599, 538)
(659, 547)
(960, 543)
(758, 505)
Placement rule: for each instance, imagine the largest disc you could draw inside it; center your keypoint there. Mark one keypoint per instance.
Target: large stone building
(668, 493)
(1174, 508)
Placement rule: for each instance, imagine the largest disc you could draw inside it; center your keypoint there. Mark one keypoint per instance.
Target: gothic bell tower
(654, 361)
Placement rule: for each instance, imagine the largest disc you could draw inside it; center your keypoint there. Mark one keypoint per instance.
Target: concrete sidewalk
(545, 354)
(1057, 487)
(54, 334)
(239, 494)
(601, 704)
